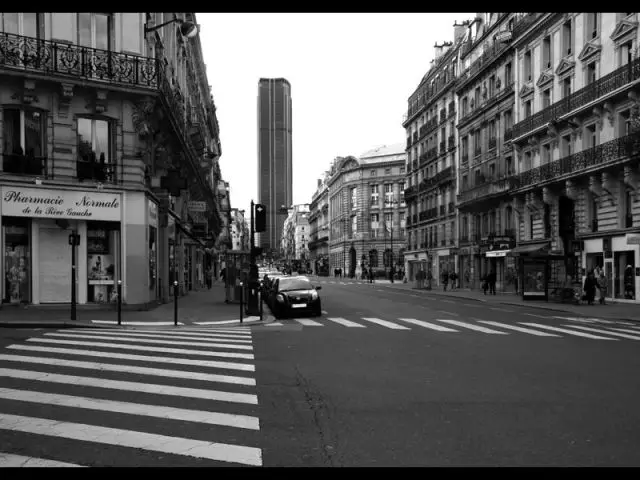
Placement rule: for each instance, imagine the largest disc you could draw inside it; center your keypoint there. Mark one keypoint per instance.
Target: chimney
(438, 50)
(319, 182)
(459, 29)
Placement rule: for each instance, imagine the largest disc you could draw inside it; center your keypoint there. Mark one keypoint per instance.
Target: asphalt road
(386, 377)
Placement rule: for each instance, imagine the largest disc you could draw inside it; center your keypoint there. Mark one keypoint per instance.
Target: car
(293, 295)
(267, 285)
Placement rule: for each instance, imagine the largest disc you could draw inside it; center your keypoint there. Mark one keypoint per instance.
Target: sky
(351, 75)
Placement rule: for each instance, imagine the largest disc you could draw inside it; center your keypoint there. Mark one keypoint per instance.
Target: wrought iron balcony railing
(488, 189)
(605, 85)
(440, 177)
(25, 165)
(96, 171)
(53, 58)
(451, 142)
(492, 143)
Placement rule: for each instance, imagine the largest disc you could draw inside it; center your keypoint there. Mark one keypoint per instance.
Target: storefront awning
(497, 253)
(538, 248)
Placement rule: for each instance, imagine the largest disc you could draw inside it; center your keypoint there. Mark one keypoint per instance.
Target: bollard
(241, 290)
(119, 302)
(175, 304)
(260, 301)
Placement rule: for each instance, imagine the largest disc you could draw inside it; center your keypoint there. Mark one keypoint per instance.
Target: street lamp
(392, 202)
(187, 29)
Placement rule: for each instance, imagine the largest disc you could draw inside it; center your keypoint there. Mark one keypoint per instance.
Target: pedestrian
(445, 280)
(371, 275)
(491, 280)
(453, 276)
(485, 283)
(602, 286)
(629, 280)
(209, 278)
(223, 274)
(589, 288)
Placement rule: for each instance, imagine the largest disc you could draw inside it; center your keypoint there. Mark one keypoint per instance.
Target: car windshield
(294, 284)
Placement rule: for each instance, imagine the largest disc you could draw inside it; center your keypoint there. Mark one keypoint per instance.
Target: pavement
(385, 377)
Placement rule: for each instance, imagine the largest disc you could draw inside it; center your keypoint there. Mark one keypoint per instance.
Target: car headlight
(280, 297)
(314, 295)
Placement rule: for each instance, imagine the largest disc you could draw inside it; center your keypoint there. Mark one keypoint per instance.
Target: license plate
(299, 305)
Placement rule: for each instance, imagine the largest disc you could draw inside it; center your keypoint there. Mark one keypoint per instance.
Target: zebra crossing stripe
(473, 327)
(62, 362)
(144, 340)
(274, 324)
(183, 336)
(141, 358)
(13, 461)
(424, 324)
(519, 329)
(385, 323)
(606, 332)
(104, 405)
(227, 322)
(628, 330)
(214, 395)
(132, 439)
(308, 322)
(115, 322)
(564, 330)
(344, 322)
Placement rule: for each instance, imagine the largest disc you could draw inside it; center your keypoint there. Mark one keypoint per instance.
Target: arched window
(401, 257)
(373, 258)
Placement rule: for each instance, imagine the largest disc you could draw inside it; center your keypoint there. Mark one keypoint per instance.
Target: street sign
(197, 206)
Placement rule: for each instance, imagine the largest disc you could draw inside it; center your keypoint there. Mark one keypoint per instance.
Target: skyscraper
(275, 183)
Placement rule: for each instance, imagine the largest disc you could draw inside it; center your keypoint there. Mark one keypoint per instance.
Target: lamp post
(393, 203)
(187, 29)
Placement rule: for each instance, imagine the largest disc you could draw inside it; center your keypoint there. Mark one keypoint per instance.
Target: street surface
(388, 376)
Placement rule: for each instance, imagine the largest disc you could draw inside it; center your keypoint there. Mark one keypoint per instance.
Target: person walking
(590, 288)
(491, 280)
(445, 280)
(453, 276)
(485, 283)
(602, 286)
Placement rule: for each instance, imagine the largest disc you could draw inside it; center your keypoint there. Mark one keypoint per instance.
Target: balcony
(440, 177)
(451, 142)
(605, 85)
(580, 161)
(492, 143)
(25, 165)
(52, 58)
(96, 171)
(488, 190)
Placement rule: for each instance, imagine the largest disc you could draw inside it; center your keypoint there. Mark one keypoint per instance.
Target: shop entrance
(624, 276)
(17, 260)
(54, 255)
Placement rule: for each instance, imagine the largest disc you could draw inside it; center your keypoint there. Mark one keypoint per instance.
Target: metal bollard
(241, 306)
(119, 302)
(175, 304)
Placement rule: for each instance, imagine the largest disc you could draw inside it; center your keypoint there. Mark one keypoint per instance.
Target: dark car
(268, 284)
(293, 295)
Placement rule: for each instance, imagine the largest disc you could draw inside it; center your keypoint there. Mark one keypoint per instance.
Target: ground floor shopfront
(121, 239)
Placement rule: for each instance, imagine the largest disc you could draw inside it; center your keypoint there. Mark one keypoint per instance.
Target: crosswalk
(458, 325)
(159, 397)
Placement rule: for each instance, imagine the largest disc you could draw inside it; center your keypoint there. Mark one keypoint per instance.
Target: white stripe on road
(518, 329)
(308, 322)
(448, 301)
(61, 362)
(537, 316)
(228, 322)
(226, 337)
(385, 323)
(142, 348)
(100, 404)
(432, 326)
(143, 338)
(211, 330)
(470, 304)
(628, 330)
(274, 324)
(115, 322)
(324, 312)
(606, 332)
(129, 438)
(214, 395)
(14, 461)
(586, 320)
(498, 309)
(245, 367)
(202, 343)
(473, 327)
(449, 313)
(344, 322)
(564, 330)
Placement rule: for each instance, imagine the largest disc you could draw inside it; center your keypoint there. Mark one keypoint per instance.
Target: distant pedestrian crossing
(130, 398)
(458, 325)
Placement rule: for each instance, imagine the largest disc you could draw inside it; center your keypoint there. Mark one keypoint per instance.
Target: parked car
(294, 295)
(267, 285)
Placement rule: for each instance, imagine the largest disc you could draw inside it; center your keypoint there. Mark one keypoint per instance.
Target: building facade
(295, 236)
(367, 212)
(275, 174)
(239, 230)
(99, 121)
(432, 144)
(319, 228)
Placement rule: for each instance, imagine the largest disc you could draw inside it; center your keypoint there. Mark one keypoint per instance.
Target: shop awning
(538, 248)
(497, 253)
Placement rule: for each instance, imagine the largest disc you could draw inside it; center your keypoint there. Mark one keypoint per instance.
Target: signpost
(74, 241)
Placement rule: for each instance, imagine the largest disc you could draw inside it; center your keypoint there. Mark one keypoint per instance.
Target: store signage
(197, 206)
(633, 238)
(497, 253)
(153, 214)
(44, 203)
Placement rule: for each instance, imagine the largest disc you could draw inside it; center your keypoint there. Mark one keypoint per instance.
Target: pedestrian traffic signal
(260, 222)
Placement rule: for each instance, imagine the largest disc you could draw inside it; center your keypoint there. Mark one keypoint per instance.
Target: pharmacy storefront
(35, 224)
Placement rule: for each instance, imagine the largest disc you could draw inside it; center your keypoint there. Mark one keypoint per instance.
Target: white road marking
(308, 322)
(606, 332)
(385, 323)
(115, 322)
(342, 283)
(227, 322)
(159, 372)
(519, 329)
(245, 367)
(537, 316)
(473, 327)
(141, 347)
(344, 322)
(470, 304)
(274, 324)
(146, 338)
(196, 416)
(226, 337)
(449, 313)
(204, 331)
(564, 330)
(585, 320)
(628, 330)
(324, 312)
(498, 309)
(432, 326)
(214, 395)
(13, 461)
(129, 438)
(202, 343)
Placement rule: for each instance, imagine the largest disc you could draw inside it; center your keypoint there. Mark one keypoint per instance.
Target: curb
(56, 324)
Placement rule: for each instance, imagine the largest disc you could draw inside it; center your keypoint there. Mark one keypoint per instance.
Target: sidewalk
(205, 306)
(612, 311)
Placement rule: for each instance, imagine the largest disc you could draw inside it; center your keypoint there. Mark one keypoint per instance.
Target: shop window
(624, 275)
(153, 257)
(102, 239)
(17, 260)
(24, 141)
(95, 150)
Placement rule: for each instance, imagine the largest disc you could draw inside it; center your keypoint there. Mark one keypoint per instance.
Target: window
(592, 25)
(546, 153)
(492, 86)
(527, 66)
(477, 97)
(527, 161)
(465, 106)
(132, 32)
(546, 52)
(527, 109)
(373, 173)
(566, 87)
(591, 73)
(388, 193)
(626, 53)
(403, 187)
(590, 137)
(508, 74)
(388, 223)
(27, 24)
(593, 210)
(566, 145)
(24, 141)
(465, 147)
(375, 219)
(508, 120)
(94, 30)
(546, 98)
(402, 170)
(94, 149)
(17, 260)
(477, 139)
(354, 198)
(374, 194)
(567, 38)
(508, 164)
(627, 221)
(531, 219)
(387, 171)
(354, 225)
(465, 182)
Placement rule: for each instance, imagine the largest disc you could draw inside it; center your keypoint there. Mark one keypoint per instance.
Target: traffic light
(260, 218)
(257, 251)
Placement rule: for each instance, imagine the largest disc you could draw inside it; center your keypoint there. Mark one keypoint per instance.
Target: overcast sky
(350, 73)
